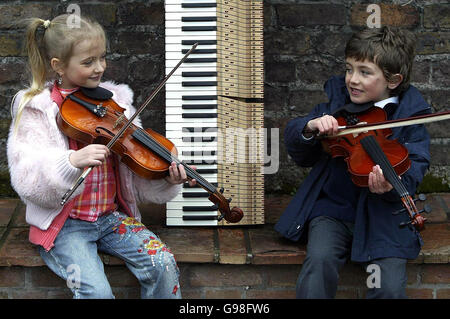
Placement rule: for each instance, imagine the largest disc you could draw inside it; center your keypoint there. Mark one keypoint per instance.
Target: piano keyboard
(214, 109)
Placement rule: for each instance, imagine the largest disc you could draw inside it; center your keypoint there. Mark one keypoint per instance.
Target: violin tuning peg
(403, 224)
(426, 209)
(229, 200)
(221, 190)
(215, 206)
(422, 197)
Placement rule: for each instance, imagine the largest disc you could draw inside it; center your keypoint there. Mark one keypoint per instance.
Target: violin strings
(372, 147)
(169, 157)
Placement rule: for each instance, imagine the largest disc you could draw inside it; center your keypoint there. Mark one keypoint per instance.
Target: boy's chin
(358, 100)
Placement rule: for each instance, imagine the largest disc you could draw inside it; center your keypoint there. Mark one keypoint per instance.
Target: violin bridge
(359, 123)
(119, 121)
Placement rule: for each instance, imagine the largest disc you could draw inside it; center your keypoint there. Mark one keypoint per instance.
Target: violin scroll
(233, 215)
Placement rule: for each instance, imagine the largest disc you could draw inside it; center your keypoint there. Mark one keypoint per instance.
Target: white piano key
(179, 95)
(174, 16)
(176, 7)
(180, 134)
(178, 47)
(179, 204)
(180, 222)
(192, 34)
(180, 87)
(179, 119)
(177, 24)
(179, 102)
(178, 55)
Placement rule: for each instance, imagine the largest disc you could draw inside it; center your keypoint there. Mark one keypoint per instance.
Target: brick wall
(204, 281)
(303, 46)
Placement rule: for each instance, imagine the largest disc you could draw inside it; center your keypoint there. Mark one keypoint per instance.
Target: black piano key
(198, 153)
(199, 129)
(198, 97)
(186, 185)
(198, 19)
(199, 51)
(205, 139)
(200, 60)
(199, 5)
(199, 208)
(198, 83)
(200, 42)
(199, 115)
(198, 106)
(199, 217)
(206, 170)
(197, 74)
(199, 28)
(199, 162)
(195, 194)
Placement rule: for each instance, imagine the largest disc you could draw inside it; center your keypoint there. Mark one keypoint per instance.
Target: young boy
(340, 219)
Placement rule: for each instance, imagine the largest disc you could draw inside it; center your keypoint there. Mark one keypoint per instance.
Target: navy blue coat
(376, 233)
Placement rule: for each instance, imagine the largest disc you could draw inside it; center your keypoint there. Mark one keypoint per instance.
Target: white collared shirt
(382, 103)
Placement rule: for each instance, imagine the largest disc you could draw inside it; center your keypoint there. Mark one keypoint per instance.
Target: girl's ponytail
(38, 66)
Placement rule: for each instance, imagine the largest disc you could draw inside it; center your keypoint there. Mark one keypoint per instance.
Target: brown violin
(365, 143)
(91, 116)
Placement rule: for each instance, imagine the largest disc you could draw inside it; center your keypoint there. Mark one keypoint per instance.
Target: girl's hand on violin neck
(377, 183)
(177, 175)
(90, 155)
(325, 125)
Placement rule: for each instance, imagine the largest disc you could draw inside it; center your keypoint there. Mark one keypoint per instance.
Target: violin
(364, 144)
(91, 116)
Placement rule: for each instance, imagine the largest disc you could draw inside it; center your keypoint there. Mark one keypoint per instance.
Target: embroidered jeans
(75, 259)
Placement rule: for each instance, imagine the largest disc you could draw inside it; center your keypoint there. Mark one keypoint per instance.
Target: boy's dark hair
(391, 48)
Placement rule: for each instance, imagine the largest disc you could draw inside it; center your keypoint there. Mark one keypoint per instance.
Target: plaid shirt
(99, 194)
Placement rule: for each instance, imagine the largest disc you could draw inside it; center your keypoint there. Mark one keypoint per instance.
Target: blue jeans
(75, 258)
(328, 249)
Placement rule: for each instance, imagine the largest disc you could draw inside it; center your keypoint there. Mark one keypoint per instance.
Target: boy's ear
(56, 65)
(395, 81)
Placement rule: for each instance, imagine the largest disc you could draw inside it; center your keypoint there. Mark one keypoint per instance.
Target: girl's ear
(395, 81)
(57, 66)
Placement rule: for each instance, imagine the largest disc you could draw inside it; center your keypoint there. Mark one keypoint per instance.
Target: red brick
(391, 14)
(44, 277)
(188, 244)
(224, 276)
(232, 246)
(419, 293)
(347, 293)
(436, 16)
(282, 275)
(12, 277)
(223, 293)
(7, 207)
(17, 250)
(270, 294)
(443, 293)
(436, 246)
(435, 274)
(121, 276)
(269, 248)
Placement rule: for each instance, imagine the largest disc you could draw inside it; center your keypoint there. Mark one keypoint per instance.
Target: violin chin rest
(97, 93)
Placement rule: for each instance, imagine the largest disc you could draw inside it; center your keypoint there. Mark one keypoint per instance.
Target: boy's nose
(354, 78)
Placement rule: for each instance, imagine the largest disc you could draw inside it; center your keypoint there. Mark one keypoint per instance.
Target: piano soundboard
(214, 108)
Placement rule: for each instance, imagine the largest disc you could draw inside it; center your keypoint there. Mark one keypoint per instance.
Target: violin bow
(119, 134)
(419, 119)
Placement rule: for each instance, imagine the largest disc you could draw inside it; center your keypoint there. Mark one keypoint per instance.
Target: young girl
(102, 214)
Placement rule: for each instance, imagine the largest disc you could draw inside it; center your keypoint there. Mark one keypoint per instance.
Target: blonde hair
(58, 41)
